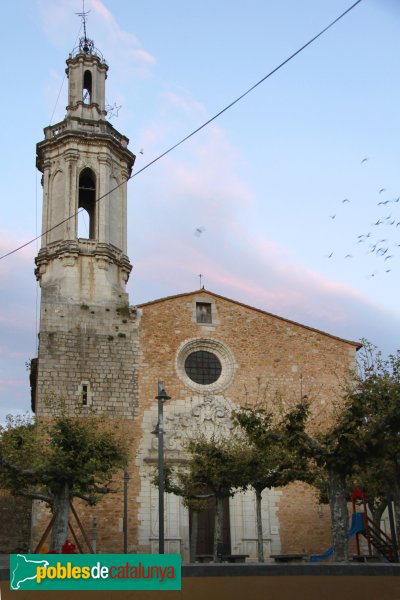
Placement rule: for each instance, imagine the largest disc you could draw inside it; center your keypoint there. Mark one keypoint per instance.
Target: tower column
(104, 167)
(46, 207)
(71, 158)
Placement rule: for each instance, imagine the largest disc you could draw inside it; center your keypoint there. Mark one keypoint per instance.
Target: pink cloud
(144, 56)
(106, 15)
(5, 383)
(25, 255)
(203, 188)
(11, 319)
(55, 16)
(129, 41)
(184, 101)
(103, 11)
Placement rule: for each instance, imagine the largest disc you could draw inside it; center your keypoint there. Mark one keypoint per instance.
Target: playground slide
(357, 526)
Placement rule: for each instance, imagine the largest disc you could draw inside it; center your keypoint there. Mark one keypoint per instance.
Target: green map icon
(24, 569)
(95, 572)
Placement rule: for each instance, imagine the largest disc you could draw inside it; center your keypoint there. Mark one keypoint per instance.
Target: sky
(295, 189)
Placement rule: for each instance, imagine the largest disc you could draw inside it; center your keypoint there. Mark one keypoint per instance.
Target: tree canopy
(271, 459)
(55, 462)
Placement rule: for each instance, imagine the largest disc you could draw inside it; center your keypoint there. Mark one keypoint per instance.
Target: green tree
(335, 453)
(68, 458)
(378, 390)
(179, 482)
(364, 435)
(216, 466)
(271, 461)
(372, 479)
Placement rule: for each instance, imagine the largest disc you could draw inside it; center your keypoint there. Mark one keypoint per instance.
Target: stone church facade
(99, 354)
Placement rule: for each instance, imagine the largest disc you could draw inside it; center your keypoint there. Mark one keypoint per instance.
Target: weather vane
(85, 44)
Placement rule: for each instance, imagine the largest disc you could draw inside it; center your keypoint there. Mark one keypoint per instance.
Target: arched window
(87, 87)
(87, 202)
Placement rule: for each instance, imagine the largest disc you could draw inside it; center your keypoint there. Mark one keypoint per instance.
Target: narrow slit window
(87, 205)
(85, 394)
(87, 88)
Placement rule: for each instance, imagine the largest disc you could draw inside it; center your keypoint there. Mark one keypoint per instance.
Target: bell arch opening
(87, 87)
(87, 205)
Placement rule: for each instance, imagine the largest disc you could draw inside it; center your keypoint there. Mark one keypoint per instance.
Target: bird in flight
(345, 200)
(199, 230)
(382, 190)
(332, 216)
(364, 160)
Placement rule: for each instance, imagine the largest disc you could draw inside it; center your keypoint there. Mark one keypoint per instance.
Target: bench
(364, 558)
(231, 558)
(285, 558)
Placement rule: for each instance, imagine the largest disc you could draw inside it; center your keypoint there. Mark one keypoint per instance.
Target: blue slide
(357, 526)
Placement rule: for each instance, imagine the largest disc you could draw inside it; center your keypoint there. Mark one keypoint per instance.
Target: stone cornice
(70, 250)
(91, 133)
(82, 57)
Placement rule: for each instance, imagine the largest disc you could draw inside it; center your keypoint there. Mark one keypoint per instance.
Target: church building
(99, 353)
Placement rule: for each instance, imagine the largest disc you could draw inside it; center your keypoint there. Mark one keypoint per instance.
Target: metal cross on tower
(85, 44)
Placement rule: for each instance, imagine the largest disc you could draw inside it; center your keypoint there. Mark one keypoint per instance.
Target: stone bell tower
(87, 336)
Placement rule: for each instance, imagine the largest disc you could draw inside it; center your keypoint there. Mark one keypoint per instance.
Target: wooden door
(205, 535)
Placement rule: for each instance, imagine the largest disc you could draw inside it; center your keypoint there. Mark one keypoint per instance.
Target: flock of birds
(380, 246)
(378, 240)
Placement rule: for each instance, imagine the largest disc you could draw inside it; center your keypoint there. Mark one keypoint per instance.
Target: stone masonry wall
(123, 355)
(15, 522)
(272, 360)
(92, 346)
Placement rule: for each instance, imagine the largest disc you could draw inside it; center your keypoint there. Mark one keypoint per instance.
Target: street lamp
(161, 397)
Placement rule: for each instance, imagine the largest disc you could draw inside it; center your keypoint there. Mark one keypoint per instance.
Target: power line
(190, 135)
(62, 83)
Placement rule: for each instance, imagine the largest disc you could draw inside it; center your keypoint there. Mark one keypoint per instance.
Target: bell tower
(85, 164)
(87, 330)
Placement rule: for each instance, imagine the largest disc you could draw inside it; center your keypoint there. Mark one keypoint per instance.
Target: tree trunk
(193, 535)
(61, 510)
(339, 515)
(260, 544)
(377, 511)
(396, 503)
(219, 520)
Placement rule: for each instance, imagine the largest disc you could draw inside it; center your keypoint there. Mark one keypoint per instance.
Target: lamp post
(161, 397)
(125, 519)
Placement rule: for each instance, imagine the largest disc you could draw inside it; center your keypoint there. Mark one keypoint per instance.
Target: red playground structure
(362, 524)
